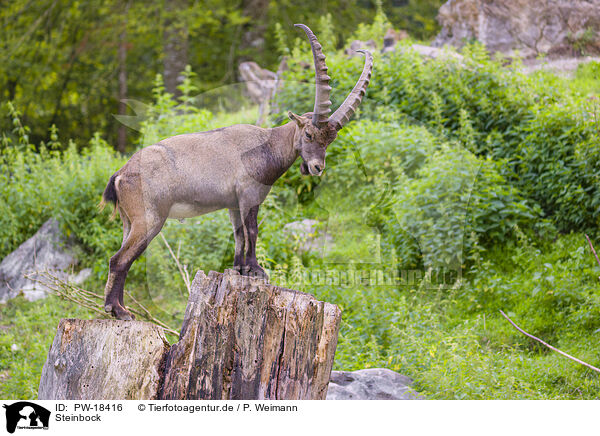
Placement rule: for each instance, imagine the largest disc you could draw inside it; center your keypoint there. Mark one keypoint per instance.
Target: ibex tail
(110, 196)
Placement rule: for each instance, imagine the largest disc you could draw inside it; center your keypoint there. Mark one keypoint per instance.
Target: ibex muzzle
(233, 167)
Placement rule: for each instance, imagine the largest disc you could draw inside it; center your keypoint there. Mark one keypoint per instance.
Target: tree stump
(245, 339)
(241, 339)
(104, 359)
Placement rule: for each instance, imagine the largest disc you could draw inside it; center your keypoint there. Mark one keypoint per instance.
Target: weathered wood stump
(241, 339)
(104, 359)
(244, 339)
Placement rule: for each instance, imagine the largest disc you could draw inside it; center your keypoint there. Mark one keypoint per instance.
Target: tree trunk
(175, 44)
(104, 359)
(241, 339)
(244, 339)
(253, 31)
(122, 132)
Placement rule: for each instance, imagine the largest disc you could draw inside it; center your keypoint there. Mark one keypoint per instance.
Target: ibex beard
(229, 168)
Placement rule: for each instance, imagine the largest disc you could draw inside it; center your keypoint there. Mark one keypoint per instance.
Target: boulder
(47, 250)
(565, 67)
(305, 234)
(434, 52)
(360, 45)
(370, 384)
(391, 38)
(554, 27)
(260, 83)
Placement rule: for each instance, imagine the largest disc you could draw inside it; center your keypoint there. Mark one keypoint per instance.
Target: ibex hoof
(119, 312)
(126, 316)
(255, 272)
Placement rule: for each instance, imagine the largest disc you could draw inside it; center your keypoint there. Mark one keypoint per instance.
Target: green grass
(456, 345)
(30, 326)
(453, 342)
(587, 79)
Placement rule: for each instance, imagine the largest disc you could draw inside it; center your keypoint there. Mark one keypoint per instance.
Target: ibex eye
(308, 135)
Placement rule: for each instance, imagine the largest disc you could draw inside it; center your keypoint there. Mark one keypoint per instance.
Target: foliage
(27, 333)
(587, 79)
(375, 30)
(65, 184)
(536, 129)
(455, 343)
(418, 17)
(582, 41)
(450, 163)
(59, 58)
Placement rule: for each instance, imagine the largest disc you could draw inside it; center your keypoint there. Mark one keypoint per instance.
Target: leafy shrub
(66, 185)
(587, 78)
(455, 207)
(532, 124)
(554, 290)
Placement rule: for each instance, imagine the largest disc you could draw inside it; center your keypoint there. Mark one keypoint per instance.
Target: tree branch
(182, 269)
(593, 251)
(548, 345)
(85, 298)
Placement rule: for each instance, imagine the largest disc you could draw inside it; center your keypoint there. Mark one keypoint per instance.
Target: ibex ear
(297, 119)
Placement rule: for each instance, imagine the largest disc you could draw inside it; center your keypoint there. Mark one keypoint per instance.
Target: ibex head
(316, 130)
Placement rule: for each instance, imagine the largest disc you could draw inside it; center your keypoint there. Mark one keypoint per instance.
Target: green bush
(457, 206)
(587, 78)
(67, 185)
(534, 124)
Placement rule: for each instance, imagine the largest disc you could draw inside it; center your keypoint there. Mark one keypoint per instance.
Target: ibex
(232, 167)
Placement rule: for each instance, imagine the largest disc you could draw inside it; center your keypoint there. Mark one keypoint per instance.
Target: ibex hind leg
(126, 225)
(140, 235)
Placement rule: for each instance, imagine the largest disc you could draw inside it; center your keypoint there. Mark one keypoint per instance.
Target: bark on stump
(245, 339)
(104, 359)
(241, 339)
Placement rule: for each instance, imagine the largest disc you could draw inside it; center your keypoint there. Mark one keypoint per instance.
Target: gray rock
(305, 233)
(370, 384)
(48, 250)
(557, 27)
(391, 38)
(260, 83)
(427, 51)
(434, 52)
(565, 67)
(360, 45)
(104, 359)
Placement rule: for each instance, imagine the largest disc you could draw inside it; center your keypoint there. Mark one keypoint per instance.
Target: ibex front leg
(240, 239)
(252, 268)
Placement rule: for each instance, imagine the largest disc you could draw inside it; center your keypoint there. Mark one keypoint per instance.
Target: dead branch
(548, 345)
(182, 270)
(145, 313)
(88, 299)
(593, 251)
(59, 288)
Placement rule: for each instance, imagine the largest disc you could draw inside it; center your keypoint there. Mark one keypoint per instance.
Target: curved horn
(348, 107)
(322, 88)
